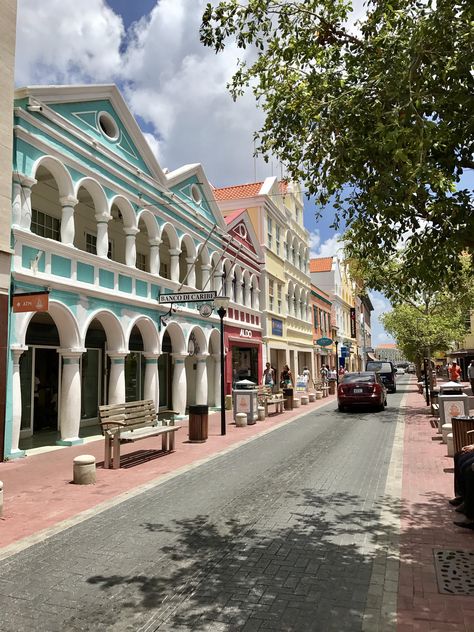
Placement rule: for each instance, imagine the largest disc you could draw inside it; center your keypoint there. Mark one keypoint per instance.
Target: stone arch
(149, 219)
(126, 209)
(97, 193)
(213, 368)
(169, 252)
(297, 302)
(65, 321)
(290, 298)
(294, 251)
(178, 341)
(237, 278)
(147, 242)
(203, 268)
(227, 278)
(58, 171)
(246, 285)
(254, 292)
(149, 332)
(112, 327)
(217, 271)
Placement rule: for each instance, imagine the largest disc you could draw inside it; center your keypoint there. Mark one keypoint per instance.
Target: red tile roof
(323, 264)
(387, 345)
(239, 191)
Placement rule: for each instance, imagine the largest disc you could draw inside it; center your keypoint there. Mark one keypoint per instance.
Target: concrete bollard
(261, 413)
(296, 402)
(450, 442)
(446, 429)
(228, 402)
(304, 399)
(319, 394)
(241, 420)
(1, 499)
(312, 397)
(84, 469)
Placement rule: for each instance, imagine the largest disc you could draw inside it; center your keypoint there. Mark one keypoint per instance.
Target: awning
(370, 356)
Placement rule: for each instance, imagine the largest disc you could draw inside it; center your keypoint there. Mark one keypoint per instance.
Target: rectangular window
(277, 239)
(270, 295)
(141, 261)
(45, 225)
(279, 298)
(315, 316)
(269, 232)
(91, 243)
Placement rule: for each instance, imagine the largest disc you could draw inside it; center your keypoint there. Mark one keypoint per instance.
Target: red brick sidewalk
(427, 524)
(38, 493)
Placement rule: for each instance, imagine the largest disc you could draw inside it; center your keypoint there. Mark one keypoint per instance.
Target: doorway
(39, 376)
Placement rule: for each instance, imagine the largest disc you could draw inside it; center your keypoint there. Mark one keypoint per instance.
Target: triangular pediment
(100, 114)
(240, 228)
(191, 185)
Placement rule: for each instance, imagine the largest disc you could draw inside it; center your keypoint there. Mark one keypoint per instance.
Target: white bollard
(261, 413)
(450, 442)
(319, 394)
(304, 399)
(312, 397)
(241, 420)
(1, 499)
(446, 429)
(296, 402)
(84, 469)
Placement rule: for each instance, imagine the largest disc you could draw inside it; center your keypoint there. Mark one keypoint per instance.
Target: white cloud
(381, 305)
(154, 145)
(328, 248)
(66, 41)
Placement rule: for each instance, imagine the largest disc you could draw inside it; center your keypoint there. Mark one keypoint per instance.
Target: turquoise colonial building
(105, 230)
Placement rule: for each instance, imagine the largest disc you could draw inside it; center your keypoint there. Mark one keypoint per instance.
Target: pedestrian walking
(269, 376)
(455, 372)
(307, 377)
(286, 379)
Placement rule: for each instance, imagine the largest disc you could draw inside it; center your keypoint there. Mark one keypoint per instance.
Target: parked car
(400, 370)
(361, 389)
(411, 368)
(387, 373)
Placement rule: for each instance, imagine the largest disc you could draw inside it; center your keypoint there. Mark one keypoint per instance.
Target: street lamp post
(222, 302)
(337, 362)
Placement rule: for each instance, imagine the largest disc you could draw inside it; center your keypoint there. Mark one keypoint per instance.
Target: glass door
(134, 376)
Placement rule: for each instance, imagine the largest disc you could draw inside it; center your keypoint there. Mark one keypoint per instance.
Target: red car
(361, 389)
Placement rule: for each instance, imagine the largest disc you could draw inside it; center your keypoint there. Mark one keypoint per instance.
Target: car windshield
(359, 377)
(384, 367)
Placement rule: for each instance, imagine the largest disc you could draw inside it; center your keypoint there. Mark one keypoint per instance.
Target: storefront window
(245, 364)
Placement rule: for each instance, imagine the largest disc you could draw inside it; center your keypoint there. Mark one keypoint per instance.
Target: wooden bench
(129, 422)
(267, 398)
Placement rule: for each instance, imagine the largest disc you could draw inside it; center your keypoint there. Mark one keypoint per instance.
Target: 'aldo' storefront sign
(245, 333)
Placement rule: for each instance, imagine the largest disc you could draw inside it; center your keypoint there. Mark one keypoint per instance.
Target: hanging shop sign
(187, 297)
(30, 302)
(353, 322)
(324, 342)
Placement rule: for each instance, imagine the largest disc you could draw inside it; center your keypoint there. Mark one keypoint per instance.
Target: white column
(218, 282)
(201, 379)
(26, 184)
(152, 385)
(67, 219)
(191, 272)
(130, 246)
(70, 404)
(155, 256)
(205, 273)
(117, 377)
(238, 291)
(179, 386)
(102, 236)
(174, 263)
(217, 379)
(16, 202)
(16, 400)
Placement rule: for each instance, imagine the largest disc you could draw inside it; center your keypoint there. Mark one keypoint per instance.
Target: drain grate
(455, 571)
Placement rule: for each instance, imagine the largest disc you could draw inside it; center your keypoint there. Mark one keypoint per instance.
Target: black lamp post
(337, 362)
(221, 303)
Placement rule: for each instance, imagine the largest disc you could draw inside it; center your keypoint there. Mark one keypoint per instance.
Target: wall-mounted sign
(324, 342)
(246, 333)
(31, 302)
(205, 310)
(277, 327)
(353, 322)
(345, 352)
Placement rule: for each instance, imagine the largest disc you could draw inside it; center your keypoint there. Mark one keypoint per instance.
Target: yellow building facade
(276, 211)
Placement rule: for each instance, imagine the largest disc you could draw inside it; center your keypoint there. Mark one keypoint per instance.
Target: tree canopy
(375, 119)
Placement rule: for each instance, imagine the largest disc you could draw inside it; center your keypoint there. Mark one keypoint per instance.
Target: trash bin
(198, 423)
(288, 395)
(245, 400)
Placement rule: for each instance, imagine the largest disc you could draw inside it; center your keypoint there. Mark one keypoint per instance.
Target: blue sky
(174, 86)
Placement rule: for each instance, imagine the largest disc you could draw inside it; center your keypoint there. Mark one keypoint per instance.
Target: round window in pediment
(196, 194)
(108, 126)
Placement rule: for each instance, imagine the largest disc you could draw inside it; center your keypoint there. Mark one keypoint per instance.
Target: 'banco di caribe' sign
(187, 297)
